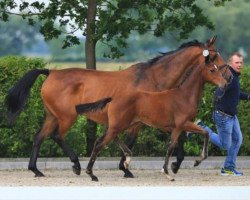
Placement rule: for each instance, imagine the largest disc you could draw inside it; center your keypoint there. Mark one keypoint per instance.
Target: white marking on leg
(170, 177)
(127, 161)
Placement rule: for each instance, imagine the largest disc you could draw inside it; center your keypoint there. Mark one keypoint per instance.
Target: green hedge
(16, 141)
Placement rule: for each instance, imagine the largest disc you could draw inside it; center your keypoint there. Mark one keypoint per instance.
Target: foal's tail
(19, 93)
(92, 107)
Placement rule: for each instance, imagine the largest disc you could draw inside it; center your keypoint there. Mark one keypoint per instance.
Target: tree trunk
(90, 45)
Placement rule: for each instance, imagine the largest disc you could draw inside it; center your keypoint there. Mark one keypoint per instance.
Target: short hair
(234, 54)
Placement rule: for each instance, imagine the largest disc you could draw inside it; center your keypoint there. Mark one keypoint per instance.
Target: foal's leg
(99, 144)
(96, 150)
(190, 126)
(48, 127)
(179, 154)
(130, 141)
(174, 138)
(126, 158)
(68, 151)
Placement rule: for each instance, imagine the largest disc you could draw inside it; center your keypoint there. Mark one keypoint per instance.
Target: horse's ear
(211, 41)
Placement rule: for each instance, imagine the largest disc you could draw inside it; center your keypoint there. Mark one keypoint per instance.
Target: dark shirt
(227, 100)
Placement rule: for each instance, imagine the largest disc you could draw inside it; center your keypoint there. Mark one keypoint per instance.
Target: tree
(15, 38)
(230, 25)
(109, 21)
(72, 54)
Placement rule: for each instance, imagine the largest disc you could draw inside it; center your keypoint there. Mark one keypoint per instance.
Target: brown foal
(171, 110)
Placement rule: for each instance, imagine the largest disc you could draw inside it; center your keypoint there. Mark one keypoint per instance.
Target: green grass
(106, 66)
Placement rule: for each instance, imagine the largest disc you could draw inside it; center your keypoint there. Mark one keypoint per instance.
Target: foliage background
(230, 23)
(16, 141)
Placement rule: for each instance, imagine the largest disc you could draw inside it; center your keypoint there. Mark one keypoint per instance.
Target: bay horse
(63, 89)
(171, 110)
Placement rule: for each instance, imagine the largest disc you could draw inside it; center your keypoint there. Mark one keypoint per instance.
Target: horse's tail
(19, 93)
(92, 107)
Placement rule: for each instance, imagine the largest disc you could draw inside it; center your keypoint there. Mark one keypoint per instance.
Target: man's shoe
(232, 172)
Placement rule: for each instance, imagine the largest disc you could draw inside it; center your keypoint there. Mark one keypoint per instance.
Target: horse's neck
(193, 86)
(170, 72)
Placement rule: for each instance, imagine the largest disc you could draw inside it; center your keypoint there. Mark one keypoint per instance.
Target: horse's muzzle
(223, 85)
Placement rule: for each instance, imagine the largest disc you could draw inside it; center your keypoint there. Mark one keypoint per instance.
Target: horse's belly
(99, 117)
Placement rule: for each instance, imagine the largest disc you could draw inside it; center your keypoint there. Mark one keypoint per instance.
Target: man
(229, 135)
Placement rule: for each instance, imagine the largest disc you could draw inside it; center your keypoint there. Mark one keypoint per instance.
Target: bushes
(16, 141)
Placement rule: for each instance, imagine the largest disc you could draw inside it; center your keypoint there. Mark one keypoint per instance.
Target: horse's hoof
(174, 167)
(170, 177)
(196, 163)
(94, 178)
(76, 170)
(128, 174)
(39, 174)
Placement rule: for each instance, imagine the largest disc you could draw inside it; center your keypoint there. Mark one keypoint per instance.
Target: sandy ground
(185, 177)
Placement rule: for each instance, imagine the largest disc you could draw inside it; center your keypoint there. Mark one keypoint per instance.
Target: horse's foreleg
(204, 153)
(179, 154)
(170, 151)
(68, 151)
(125, 158)
(190, 126)
(174, 138)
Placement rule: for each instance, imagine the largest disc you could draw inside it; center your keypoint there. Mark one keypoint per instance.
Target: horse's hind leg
(48, 127)
(179, 153)
(68, 151)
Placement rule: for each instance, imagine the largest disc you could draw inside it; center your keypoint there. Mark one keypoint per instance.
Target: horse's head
(211, 55)
(212, 74)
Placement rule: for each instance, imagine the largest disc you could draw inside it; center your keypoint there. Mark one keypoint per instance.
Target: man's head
(236, 61)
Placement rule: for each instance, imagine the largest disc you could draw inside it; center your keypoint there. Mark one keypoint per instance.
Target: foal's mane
(142, 67)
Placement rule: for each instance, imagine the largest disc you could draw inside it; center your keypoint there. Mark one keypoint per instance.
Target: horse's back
(63, 89)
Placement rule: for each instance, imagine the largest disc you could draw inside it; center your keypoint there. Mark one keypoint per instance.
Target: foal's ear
(211, 41)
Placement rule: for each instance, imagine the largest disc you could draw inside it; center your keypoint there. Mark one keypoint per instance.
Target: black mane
(184, 45)
(141, 67)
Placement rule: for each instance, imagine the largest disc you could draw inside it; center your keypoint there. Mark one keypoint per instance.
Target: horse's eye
(212, 70)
